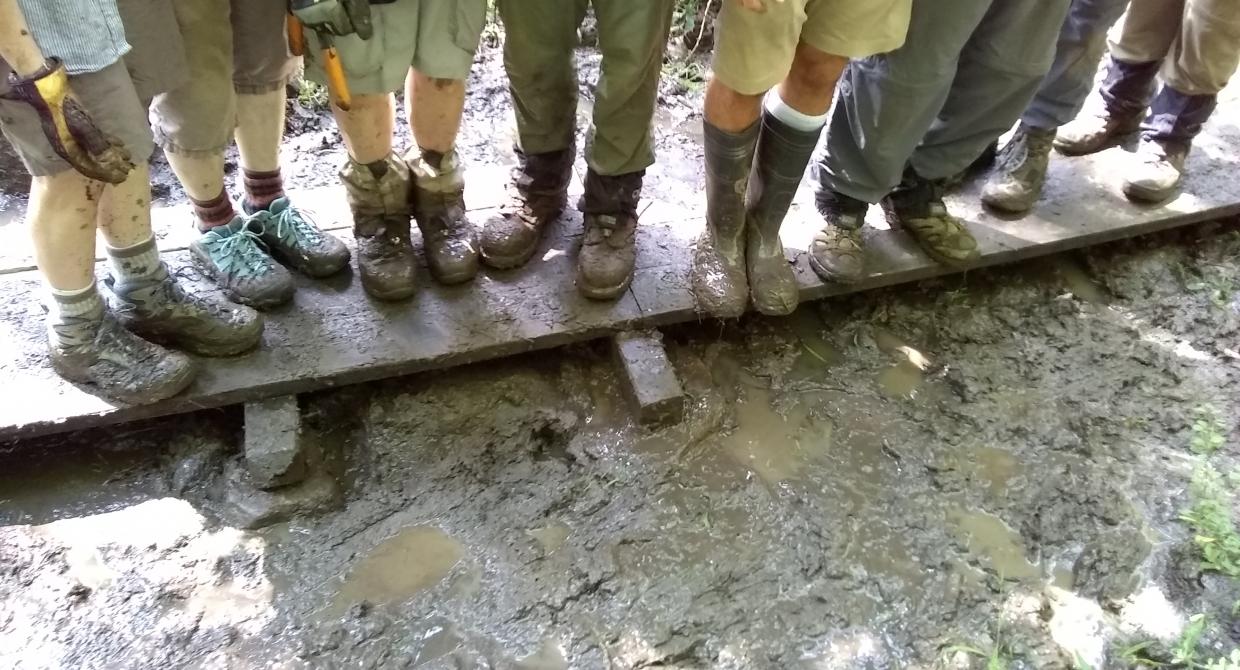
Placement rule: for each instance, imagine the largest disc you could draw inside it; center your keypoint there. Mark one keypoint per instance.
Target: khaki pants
(232, 46)
(1197, 41)
(538, 54)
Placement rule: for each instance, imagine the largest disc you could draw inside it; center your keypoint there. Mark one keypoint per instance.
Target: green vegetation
(1186, 653)
(1210, 517)
(312, 95)
(1208, 431)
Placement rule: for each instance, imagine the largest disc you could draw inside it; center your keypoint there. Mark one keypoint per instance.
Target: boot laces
(170, 295)
(241, 254)
(296, 229)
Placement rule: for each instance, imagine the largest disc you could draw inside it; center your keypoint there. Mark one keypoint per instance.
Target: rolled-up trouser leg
(540, 36)
(1000, 69)
(632, 37)
(1082, 42)
(887, 102)
(1206, 52)
(196, 119)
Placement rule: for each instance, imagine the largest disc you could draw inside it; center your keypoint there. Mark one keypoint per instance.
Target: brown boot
(609, 246)
(539, 193)
(448, 238)
(379, 197)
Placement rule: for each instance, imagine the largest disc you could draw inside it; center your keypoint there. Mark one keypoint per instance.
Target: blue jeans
(1082, 42)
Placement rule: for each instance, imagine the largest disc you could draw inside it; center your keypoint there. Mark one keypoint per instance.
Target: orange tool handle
(296, 36)
(336, 82)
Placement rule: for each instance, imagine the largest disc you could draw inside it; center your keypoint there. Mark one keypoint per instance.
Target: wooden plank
(333, 335)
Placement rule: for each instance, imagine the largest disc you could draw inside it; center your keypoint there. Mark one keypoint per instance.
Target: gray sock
(72, 316)
(136, 263)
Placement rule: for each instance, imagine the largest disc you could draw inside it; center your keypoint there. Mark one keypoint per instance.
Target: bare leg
(729, 110)
(810, 85)
(124, 216)
(62, 215)
(435, 109)
(260, 127)
(367, 127)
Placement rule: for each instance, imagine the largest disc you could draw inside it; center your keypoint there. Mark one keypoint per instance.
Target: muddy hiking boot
(1155, 172)
(158, 309)
(379, 198)
(719, 277)
(292, 238)
(782, 155)
(1126, 90)
(916, 205)
(449, 239)
(235, 256)
(538, 194)
(1021, 171)
(836, 252)
(92, 348)
(609, 245)
(1092, 132)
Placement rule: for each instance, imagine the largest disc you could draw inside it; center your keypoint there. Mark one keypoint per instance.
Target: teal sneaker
(235, 257)
(293, 239)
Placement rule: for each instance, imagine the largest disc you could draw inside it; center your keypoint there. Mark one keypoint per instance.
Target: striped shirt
(86, 34)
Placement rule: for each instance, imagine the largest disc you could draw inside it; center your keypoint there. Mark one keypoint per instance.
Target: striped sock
(262, 189)
(215, 212)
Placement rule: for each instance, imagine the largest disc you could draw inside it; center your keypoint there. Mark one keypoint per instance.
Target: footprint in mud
(411, 561)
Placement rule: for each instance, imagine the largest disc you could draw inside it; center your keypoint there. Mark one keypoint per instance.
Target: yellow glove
(68, 127)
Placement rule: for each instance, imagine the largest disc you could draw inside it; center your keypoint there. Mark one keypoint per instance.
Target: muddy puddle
(409, 562)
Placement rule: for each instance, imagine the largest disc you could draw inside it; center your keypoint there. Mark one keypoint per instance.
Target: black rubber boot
(719, 277)
(781, 158)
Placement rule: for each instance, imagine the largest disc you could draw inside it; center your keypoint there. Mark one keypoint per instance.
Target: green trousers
(540, 36)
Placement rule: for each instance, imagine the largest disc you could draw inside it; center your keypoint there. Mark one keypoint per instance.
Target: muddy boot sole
(1149, 196)
(171, 387)
(605, 293)
(894, 221)
(827, 274)
(201, 348)
(390, 295)
(510, 262)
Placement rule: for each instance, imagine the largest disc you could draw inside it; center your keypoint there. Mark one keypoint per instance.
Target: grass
(689, 75)
(1186, 653)
(1210, 518)
(313, 96)
(1208, 431)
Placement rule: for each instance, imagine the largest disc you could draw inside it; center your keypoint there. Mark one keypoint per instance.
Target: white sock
(141, 261)
(66, 311)
(779, 109)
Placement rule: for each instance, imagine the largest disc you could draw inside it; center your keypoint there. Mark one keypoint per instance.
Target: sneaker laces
(169, 294)
(295, 229)
(240, 254)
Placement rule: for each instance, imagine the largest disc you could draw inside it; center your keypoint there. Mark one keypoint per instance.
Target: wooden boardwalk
(333, 335)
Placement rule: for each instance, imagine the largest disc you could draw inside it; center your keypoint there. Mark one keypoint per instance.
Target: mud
(1016, 484)
(996, 460)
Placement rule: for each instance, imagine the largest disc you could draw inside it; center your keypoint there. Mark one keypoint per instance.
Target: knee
(815, 70)
(726, 96)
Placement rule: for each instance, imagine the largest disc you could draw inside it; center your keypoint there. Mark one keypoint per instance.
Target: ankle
(72, 315)
(215, 212)
(262, 188)
(135, 263)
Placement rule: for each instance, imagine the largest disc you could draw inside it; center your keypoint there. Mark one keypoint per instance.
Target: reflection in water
(410, 561)
(999, 547)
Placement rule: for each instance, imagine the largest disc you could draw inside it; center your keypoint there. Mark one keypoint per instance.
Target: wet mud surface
(996, 461)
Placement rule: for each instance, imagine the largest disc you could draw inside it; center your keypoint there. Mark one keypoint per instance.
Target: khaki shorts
(437, 38)
(754, 50)
(110, 98)
(232, 46)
